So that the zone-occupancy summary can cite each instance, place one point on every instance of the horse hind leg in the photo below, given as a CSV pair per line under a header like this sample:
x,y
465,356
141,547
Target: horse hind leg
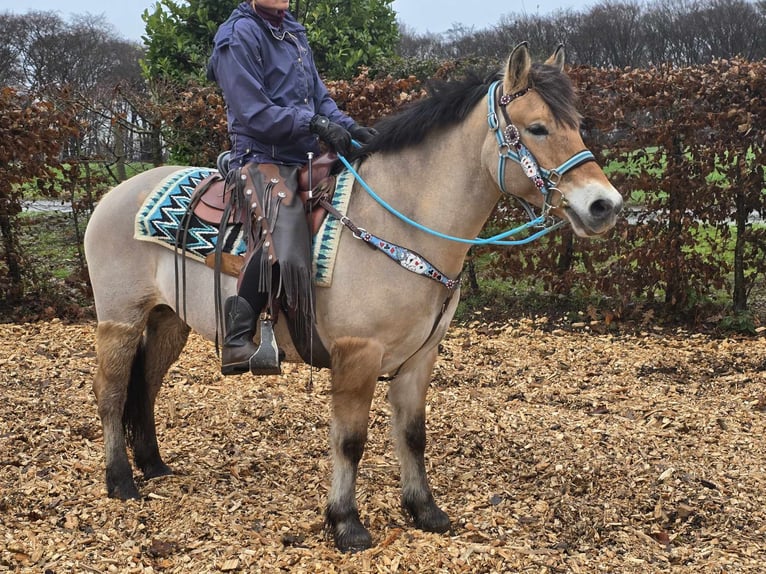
x,y
164,339
116,350
355,367
407,396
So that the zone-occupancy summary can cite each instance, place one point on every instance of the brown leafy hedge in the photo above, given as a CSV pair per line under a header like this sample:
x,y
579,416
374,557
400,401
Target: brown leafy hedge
x,y
685,146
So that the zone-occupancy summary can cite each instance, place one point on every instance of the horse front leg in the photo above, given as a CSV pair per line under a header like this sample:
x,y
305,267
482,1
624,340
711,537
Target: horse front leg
x,y
116,348
355,367
407,395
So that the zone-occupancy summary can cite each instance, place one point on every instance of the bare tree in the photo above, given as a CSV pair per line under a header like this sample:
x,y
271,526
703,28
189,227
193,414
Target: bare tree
x,y
694,32
38,41
83,54
543,33
422,46
459,41
733,28
84,61
612,34
672,34
10,50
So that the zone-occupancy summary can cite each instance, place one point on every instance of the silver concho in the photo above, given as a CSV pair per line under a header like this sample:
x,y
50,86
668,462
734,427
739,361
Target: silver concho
x,y
511,135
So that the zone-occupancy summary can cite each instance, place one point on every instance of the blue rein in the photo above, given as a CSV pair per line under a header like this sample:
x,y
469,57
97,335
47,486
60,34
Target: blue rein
x,y
494,240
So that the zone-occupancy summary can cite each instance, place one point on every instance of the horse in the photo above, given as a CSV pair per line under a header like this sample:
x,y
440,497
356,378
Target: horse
x,y
441,162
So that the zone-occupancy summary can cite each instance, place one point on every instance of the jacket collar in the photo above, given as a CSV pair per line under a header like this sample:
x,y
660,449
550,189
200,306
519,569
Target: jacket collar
x,y
289,24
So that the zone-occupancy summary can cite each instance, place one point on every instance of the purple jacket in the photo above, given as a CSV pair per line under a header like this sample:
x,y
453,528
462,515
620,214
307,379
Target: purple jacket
x,y
271,87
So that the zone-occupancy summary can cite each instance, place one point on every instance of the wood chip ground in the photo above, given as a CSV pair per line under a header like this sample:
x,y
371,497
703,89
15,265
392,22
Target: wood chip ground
x,y
552,451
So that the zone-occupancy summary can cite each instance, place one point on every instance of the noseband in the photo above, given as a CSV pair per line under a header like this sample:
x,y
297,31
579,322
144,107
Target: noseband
x,y
510,147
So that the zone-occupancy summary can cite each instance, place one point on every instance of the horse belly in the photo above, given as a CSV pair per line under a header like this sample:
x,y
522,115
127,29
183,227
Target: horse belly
x,y
198,308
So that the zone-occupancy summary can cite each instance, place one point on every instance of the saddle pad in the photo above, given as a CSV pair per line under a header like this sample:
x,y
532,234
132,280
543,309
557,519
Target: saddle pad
x,y
162,211
326,240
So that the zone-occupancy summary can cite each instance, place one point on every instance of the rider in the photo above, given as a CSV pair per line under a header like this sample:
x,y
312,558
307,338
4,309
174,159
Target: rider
x,y
277,107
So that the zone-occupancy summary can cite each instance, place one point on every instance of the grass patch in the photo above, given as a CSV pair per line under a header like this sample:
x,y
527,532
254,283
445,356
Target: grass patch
x,y
49,241
55,276
100,174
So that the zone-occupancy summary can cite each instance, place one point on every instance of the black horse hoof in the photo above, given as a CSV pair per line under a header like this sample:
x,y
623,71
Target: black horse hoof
x,y
435,520
157,470
428,516
353,538
120,483
349,533
123,491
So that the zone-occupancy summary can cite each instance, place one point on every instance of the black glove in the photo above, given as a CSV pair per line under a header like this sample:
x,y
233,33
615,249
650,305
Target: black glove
x,y
334,135
362,134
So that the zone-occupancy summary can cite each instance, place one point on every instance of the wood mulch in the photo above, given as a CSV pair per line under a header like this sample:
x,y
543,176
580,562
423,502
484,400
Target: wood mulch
x,y
552,451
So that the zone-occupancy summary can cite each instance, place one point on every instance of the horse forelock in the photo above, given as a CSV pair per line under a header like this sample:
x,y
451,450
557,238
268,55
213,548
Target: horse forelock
x,y
558,93
450,102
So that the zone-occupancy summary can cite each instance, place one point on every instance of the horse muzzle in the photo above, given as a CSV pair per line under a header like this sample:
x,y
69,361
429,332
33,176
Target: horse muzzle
x,y
592,211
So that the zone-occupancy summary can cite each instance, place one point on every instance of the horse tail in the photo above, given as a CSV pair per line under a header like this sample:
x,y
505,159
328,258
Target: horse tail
x,y
137,406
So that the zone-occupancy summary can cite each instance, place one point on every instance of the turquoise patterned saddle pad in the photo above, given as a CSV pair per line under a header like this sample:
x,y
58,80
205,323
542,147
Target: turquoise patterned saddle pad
x,y
159,218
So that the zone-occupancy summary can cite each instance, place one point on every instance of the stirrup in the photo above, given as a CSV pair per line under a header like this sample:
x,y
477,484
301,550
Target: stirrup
x,y
265,360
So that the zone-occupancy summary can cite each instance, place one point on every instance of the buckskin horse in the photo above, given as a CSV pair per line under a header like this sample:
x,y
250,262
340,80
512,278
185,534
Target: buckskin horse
x,y
442,162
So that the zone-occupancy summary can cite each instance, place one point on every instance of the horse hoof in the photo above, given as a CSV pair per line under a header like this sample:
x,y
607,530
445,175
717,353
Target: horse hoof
x,y
434,521
348,532
123,491
429,517
157,470
121,485
353,538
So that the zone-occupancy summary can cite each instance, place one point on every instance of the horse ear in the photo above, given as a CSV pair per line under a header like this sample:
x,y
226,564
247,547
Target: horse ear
x,y
558,58
517,71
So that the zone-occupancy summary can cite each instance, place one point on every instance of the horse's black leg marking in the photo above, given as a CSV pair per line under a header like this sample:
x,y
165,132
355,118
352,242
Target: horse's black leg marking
x,y
353,449
342,516
137,418
419,502
119,474
119,482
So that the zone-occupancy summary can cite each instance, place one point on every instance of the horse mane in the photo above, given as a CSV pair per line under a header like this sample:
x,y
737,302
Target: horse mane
x,y
450,102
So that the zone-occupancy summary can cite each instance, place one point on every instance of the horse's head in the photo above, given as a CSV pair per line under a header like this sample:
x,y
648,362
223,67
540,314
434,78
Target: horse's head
x,y
535,123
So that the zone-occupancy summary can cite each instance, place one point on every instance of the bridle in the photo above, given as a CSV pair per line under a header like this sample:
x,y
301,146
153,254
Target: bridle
x,y
511,147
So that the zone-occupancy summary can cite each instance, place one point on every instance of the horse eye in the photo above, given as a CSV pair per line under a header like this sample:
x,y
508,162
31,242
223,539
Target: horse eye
x,y
538,130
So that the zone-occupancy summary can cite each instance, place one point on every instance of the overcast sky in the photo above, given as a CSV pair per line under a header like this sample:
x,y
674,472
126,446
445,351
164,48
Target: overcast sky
x,y
421,15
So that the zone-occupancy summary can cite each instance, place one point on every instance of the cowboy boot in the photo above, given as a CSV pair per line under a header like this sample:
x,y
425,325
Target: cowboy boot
x,y
239,353
239,329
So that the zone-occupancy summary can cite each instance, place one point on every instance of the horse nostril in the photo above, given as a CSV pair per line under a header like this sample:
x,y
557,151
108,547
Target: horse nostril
x,y
602,208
